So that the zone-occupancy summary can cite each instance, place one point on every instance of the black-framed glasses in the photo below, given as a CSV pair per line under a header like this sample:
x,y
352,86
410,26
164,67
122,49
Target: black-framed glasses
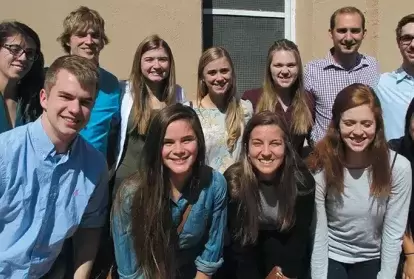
x,y
17,51
406,39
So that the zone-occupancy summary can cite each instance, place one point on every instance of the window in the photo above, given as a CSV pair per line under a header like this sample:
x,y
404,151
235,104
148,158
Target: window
x,y
247,29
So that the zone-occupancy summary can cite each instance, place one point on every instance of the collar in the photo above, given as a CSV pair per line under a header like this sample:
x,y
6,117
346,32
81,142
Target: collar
x,y
329,61
42,143
401,74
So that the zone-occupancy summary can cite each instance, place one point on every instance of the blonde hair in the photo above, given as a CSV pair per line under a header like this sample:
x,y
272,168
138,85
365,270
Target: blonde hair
x,y
234,111
302,119
142,110
85,71
82,19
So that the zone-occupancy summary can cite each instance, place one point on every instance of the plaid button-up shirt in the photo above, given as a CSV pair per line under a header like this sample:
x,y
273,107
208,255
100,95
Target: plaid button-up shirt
x,y
324,79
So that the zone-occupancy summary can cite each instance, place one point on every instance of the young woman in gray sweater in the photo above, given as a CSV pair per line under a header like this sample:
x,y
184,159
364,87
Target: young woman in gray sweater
x,y
363,192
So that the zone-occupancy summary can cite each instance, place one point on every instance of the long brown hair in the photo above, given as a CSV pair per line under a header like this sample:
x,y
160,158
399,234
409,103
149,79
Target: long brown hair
x,y
302,119
155,238
30,85
234,110
141,107
329,153
243,184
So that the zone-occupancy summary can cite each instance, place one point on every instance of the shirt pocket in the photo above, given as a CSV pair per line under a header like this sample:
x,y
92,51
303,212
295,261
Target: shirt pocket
x,y
195,227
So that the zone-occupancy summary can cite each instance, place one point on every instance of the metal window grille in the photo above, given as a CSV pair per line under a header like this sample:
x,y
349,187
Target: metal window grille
x,y
246,29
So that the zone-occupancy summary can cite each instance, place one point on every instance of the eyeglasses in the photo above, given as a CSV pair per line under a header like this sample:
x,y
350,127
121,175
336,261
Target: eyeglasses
x,y
406,39
17,51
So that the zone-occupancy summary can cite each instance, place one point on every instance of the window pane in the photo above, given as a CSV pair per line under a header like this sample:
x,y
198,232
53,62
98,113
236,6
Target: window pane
x,y
257,5
247,39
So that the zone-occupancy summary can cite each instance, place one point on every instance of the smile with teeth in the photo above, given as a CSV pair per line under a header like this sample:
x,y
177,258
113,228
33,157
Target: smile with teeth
x,y
180,160
71,120
220,85
19,66
359,140
265,161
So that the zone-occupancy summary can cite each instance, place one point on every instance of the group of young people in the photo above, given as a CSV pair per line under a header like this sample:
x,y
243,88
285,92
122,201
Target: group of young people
x,y
296,179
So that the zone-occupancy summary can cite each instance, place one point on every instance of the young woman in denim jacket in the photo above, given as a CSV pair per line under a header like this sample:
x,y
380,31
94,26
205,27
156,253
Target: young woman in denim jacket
x,y
151,205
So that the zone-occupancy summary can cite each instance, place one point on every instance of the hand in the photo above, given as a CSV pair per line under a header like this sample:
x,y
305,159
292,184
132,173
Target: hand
x,y
408,271
279,274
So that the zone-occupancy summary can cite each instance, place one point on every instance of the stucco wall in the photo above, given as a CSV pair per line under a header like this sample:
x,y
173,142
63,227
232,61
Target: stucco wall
x,y
127,23
179,22
312,24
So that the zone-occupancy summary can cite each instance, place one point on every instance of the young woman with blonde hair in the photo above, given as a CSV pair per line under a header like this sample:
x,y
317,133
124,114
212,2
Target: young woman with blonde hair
x,y
283,91
151,86
221,112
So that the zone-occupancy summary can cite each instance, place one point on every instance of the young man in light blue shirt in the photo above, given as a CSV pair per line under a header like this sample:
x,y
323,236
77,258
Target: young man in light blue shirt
x,y
53,184
396,89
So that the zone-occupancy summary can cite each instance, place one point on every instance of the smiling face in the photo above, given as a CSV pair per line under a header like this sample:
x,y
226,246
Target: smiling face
x,y
406,43
348,33
357,128
86,44
217,76
16,57
180,148
284,69
155,65
266,150
67,106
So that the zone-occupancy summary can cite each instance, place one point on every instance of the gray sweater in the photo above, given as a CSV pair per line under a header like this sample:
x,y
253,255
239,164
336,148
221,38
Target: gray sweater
x,y
358,227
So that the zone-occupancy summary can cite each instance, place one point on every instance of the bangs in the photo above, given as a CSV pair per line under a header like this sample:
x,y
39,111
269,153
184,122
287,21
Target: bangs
x,y
86,23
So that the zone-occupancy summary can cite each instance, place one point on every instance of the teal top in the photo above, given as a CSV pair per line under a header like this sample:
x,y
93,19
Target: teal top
x,y
5,124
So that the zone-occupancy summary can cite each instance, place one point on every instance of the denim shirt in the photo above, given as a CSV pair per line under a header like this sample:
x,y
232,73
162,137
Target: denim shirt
x,y
201,240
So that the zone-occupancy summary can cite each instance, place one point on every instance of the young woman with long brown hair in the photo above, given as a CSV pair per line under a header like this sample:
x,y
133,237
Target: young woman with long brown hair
x,y
151,86
362,192
283,91
169,218
271,204
21,75
221,112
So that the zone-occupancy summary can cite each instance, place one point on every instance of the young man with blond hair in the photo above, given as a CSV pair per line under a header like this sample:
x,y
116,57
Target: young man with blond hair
x,y
84,35
53,184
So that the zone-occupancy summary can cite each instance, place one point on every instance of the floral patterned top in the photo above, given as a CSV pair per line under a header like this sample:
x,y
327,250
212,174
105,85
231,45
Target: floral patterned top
x,y
213,122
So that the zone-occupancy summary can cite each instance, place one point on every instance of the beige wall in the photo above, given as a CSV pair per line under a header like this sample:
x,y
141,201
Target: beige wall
x,y
127,23
179,22
312,24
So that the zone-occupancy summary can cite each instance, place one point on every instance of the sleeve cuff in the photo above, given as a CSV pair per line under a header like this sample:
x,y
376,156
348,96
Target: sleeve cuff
x,y
208,268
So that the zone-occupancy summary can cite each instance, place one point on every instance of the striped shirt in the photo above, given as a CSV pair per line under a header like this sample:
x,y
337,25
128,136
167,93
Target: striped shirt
x,y
324,79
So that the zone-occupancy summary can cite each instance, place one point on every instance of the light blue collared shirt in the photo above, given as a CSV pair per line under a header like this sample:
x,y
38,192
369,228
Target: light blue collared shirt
x,y
45,197
395,91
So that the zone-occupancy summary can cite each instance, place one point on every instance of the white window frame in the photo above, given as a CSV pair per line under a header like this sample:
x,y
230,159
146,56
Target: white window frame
x,y
288,15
